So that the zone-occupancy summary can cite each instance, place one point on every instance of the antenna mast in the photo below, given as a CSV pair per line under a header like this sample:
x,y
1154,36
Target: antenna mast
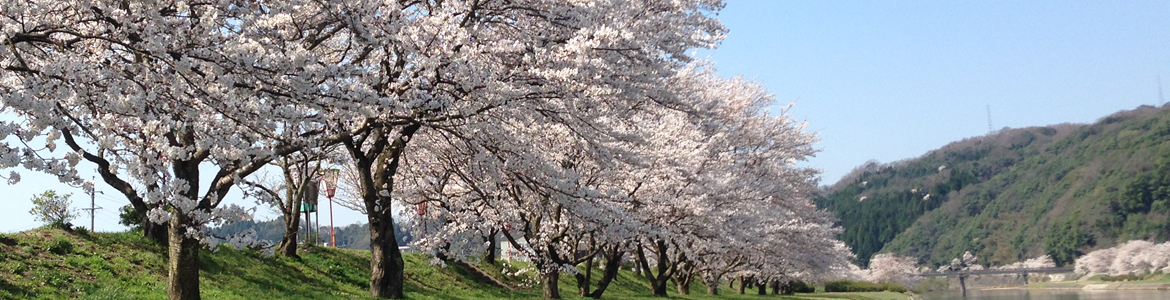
x,y
990,129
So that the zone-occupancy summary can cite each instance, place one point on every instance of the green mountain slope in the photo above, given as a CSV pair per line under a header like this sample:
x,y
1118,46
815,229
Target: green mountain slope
x,y
1060,190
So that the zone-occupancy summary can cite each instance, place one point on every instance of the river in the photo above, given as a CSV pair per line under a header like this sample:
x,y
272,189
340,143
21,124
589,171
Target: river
x,y
1021,294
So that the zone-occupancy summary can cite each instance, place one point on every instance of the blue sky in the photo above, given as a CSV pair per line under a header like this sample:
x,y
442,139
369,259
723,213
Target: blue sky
x,y
890,80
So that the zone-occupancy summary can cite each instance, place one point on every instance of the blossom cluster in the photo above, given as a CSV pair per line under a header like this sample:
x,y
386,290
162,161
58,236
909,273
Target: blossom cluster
x,y
1136,257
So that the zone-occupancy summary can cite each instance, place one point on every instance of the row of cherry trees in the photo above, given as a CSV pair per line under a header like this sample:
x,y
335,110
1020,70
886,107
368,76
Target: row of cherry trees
x,y
571,130
1136,257
697,192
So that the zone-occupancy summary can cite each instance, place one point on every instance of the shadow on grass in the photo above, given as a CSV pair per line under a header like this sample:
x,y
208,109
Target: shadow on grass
x,y
15,291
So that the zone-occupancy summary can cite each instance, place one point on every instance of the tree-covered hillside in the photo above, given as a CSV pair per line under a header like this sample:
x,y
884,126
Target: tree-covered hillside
x,y
352,236
1060,190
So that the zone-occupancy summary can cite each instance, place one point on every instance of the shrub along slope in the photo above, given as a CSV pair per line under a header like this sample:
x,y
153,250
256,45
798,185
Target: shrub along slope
x,y
56,264
1061,190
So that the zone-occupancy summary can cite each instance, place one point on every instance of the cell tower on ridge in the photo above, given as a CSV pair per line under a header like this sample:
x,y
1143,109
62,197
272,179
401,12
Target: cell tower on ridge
x,y
990,129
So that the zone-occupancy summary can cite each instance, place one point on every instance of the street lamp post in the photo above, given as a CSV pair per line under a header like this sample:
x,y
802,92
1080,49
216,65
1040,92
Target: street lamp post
x,y
330,178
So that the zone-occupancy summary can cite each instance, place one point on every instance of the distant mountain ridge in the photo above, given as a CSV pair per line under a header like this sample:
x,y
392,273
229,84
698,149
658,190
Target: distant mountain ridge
x,y
352,236
1060,190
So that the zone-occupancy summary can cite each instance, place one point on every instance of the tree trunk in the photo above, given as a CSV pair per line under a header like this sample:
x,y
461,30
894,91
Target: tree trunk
x,y
386,265
684,274
492,248
183,261
775,287
583,280
657,282
743,282
762,288
683,286
712,284
613,263
659,288
376,169
155,232
550,281
288,243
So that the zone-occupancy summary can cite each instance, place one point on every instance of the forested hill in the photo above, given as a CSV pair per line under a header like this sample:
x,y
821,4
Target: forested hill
x,y
353,236
1061,190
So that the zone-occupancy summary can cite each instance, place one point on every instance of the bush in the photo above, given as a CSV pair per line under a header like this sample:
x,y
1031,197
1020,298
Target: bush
x,y
61,246
862,286
799,287
7,240
1126,277
894,287
129,217
53,209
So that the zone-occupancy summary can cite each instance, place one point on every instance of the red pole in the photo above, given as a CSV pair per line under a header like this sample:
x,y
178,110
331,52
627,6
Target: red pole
x,y
332,239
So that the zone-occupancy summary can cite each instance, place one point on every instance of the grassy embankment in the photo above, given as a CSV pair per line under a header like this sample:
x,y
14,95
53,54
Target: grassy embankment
x,y
55,264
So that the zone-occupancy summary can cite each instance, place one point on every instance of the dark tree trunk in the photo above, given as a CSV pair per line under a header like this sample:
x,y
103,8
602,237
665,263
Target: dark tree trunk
x,y
288,243
155,232
492,248
183,261
377,167
583,280
657,282
386,265
292,227
775,287
613,263
659,289
762,288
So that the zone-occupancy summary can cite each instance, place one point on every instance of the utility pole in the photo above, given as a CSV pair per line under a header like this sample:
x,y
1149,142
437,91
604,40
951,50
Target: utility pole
x,y
92,206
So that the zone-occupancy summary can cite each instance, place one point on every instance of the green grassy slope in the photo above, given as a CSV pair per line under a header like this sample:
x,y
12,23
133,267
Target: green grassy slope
x,y
55,264
1060,190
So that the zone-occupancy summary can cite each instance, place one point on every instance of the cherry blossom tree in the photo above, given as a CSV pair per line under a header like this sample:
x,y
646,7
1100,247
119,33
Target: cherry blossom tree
x,y
1136,257
1044,261
966,262
887,267
432,66
150,94
572,130
300,184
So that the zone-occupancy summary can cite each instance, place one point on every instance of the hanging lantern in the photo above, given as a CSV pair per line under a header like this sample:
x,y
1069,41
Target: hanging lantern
x,y
422,208
330,179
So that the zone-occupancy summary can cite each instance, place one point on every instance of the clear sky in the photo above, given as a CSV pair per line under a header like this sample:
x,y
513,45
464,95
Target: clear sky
x,y
889,80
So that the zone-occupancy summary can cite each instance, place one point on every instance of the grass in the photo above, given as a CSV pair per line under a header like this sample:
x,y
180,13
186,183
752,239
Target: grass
x,y
51,263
